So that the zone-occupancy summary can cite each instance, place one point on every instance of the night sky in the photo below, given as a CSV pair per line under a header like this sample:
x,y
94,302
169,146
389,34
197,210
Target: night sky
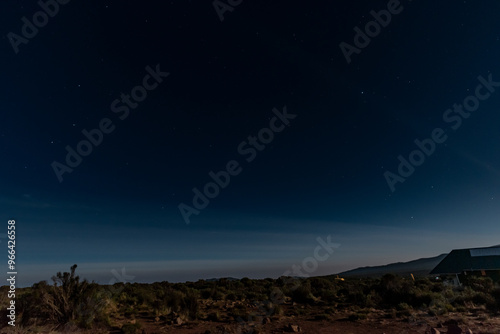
x,y
300,115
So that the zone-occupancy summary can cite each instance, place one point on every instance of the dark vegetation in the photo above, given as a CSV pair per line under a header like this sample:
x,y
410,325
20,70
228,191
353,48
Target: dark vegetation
x,y
69,301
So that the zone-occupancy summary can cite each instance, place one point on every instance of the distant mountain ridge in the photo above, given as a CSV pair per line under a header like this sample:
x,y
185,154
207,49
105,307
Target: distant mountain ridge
x,y
420,267
221,278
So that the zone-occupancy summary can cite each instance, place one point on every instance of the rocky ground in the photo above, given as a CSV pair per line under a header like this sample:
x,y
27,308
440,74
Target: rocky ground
x,y
299,319
377,323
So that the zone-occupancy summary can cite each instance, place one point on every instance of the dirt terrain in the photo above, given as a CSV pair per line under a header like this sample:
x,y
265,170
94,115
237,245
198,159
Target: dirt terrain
x,y
376,322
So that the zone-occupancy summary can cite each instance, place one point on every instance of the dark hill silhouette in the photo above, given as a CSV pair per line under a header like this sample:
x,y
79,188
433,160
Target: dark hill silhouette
x,y
420,267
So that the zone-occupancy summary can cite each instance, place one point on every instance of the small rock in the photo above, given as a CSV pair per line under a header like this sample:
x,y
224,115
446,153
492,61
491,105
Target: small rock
x,y
178,321
454,329
293,328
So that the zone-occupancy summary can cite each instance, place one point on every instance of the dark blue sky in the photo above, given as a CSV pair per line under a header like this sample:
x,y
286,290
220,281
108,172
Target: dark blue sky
x,y
322,174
